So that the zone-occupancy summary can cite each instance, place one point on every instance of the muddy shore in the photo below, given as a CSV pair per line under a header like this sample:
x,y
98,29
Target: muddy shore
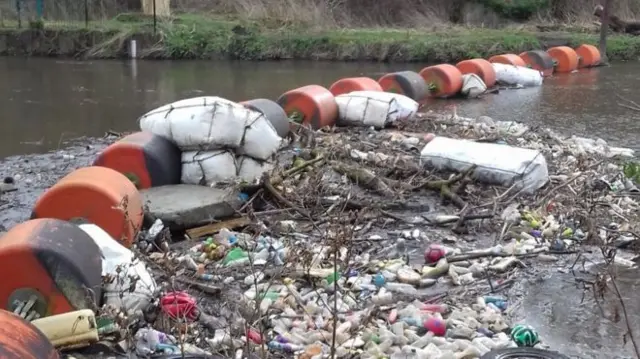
x,y
34,173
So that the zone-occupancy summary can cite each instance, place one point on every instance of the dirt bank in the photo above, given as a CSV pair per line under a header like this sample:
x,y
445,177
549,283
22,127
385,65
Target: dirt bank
x,y
200,37
35,173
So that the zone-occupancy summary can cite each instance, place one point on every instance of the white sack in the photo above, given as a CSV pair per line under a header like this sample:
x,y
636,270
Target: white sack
x,y
496,164
250,170
472,86
407,107
517,75
118,263
356,110
208,167
261,139
210,123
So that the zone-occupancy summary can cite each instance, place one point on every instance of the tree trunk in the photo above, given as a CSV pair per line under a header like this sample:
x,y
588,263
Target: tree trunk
x,y
604,29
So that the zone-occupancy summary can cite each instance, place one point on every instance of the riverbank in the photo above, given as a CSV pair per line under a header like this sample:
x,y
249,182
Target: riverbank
x,y
197,37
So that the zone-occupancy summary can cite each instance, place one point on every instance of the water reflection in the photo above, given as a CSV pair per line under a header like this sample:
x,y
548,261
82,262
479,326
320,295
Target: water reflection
x,y
44,100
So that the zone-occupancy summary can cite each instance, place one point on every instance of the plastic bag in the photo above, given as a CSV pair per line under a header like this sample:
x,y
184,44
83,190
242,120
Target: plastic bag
x,y
208,167
496,164
407,107
118,263
472,86
211,123
517,75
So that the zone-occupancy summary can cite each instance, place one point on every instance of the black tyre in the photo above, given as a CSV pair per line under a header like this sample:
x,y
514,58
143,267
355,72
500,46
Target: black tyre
x,y
523,353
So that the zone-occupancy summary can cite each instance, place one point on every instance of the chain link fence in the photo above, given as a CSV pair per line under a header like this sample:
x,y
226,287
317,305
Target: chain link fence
x,y
75,13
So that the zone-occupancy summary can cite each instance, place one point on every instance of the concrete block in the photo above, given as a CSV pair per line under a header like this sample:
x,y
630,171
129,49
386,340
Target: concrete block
x,y
187,206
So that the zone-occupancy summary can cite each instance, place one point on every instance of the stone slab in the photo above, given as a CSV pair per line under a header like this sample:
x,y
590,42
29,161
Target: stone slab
x,y
187,206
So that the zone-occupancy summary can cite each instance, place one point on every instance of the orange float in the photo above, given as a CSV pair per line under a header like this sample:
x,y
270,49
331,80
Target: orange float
x,y
312,104
54,263
565,58
589,56
538,60
273,112
407,83
99,195
146,159
480,67
442,80
351,84
20,339
508,59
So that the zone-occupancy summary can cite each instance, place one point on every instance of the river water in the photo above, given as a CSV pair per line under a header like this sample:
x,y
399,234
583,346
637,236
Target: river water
x,y
45,101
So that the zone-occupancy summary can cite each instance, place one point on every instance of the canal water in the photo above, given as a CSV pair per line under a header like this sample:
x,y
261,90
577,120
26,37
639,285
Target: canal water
x,y
46,100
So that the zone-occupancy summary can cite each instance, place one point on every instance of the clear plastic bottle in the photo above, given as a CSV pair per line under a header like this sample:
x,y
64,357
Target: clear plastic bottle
x,y
401,288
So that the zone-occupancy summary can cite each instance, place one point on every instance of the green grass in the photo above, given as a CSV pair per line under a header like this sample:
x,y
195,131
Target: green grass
x,y
199,37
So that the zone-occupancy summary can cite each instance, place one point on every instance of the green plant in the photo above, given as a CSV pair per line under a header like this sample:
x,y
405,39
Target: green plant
x,y
36,24
631,170
519,10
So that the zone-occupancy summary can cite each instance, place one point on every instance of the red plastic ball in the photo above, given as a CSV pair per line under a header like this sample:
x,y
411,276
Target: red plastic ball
x,y
434,253
436,326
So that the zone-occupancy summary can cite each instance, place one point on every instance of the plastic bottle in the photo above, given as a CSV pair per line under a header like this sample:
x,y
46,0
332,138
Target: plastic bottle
x,y
401,288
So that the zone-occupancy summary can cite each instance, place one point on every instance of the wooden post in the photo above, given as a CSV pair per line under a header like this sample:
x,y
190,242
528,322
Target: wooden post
x,y
604,29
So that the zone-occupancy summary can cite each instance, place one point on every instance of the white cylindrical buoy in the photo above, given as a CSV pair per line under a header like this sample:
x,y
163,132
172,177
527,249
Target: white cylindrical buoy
x,y
133,49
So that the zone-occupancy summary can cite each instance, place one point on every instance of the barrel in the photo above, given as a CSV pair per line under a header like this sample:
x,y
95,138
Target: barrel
x,y
407,83
480,67
148,160
19,339
538,60
565,59
589,56
273,112
311,105
351,84
508,59
442,80
53,261
98,195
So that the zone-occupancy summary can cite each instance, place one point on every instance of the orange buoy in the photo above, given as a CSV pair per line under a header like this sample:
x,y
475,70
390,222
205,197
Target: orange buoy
x,y
311,104
589,56
146,159
22,340
99,195
480,67
565,58
273,112
442,80
351,84
508,59
538,60
407,83
52,261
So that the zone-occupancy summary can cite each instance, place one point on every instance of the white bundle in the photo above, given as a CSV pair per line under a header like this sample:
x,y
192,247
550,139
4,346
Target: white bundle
x,y
210,167
517,75
472,86
374,108
210,123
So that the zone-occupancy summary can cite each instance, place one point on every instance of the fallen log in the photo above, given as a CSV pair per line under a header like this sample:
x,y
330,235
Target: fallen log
x,y
617,24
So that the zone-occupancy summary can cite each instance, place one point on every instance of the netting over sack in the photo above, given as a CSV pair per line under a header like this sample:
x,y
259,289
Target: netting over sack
x,y
210,167
211,123
374,108
517,75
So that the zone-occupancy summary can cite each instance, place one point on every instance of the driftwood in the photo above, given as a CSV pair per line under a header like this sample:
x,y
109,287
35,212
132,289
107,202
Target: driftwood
x,y
617,24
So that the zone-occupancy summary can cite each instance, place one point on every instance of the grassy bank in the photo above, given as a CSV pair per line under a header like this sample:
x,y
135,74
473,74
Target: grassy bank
x,y
199,37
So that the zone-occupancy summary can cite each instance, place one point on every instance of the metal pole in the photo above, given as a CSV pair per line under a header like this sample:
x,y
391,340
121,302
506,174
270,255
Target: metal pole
x,y
155,18
86,13
604,29
18,10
